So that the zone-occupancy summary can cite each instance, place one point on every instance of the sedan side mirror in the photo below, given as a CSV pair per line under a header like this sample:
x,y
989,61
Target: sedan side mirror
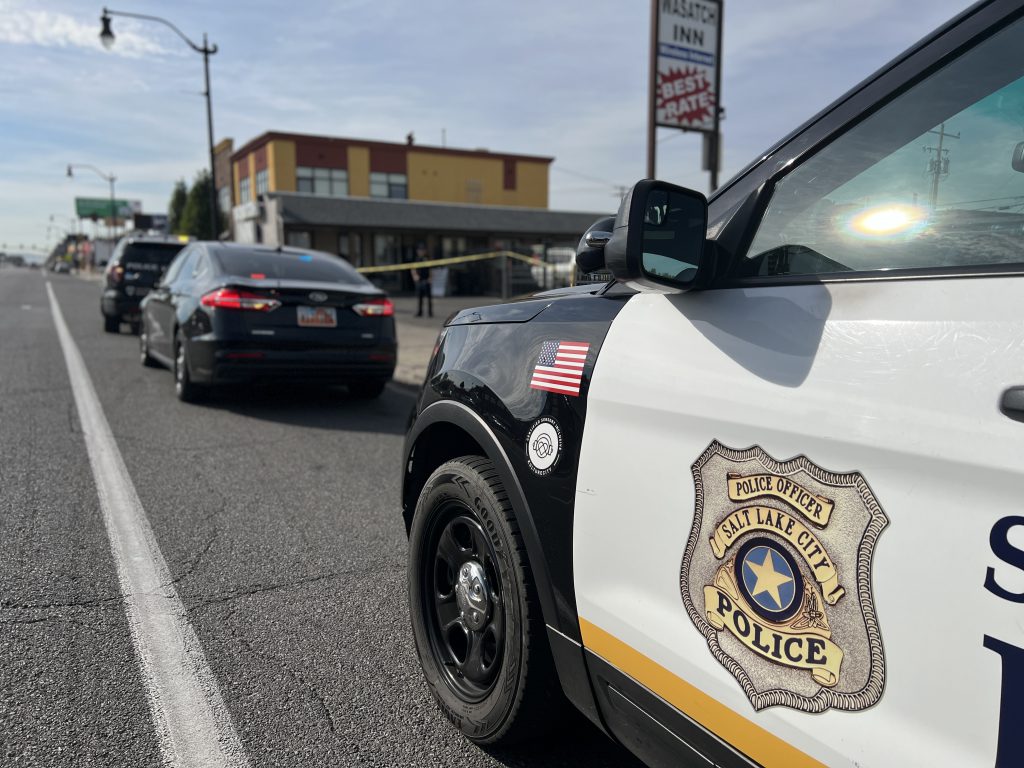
x,y
590,251
658,239
1018,158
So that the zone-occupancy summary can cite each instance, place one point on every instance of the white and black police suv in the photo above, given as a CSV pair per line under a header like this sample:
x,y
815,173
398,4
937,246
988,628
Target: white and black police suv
x,y
760,498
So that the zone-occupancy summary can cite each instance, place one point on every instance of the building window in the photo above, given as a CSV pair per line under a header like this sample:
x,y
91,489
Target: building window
x,y
394,185
298,238
327,182
244,191
510,173
387,249
350,247
262,182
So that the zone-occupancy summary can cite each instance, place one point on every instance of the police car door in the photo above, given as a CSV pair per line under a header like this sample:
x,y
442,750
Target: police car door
x,y
798,513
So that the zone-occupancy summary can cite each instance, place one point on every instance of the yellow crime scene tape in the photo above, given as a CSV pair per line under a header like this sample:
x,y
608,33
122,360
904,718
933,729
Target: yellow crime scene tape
x,y
531,260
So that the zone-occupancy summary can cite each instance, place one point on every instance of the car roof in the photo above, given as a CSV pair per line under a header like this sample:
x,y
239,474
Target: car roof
x,y
218,247
181,240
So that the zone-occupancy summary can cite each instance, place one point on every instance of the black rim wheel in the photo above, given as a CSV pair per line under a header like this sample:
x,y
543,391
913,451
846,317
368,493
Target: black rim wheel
x,y
465,622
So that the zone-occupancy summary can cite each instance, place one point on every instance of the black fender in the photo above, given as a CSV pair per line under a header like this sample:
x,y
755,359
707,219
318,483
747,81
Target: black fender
x,y
566,651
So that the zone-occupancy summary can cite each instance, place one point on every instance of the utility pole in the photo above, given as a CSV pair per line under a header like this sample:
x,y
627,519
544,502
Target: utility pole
x,y
938,166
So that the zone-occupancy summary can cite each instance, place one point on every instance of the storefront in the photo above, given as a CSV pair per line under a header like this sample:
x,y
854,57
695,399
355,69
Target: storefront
x,y
377,232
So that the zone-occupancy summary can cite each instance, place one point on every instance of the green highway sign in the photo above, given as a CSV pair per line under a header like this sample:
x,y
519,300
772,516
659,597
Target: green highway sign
x,y
99,207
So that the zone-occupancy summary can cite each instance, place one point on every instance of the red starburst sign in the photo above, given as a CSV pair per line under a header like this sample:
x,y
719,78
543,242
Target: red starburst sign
x,y
685,97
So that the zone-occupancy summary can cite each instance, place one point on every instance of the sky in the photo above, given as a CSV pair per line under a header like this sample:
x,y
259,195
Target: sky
x,y
544,77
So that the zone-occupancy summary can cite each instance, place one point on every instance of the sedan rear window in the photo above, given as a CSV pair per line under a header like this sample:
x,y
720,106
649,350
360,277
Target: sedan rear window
x,y
274,265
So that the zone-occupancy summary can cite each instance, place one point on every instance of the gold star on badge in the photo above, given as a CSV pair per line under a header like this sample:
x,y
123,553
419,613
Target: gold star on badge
x,y
768,579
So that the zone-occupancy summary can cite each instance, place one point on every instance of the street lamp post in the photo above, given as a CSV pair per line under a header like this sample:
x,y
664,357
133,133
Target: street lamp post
x,y
107,38
110,179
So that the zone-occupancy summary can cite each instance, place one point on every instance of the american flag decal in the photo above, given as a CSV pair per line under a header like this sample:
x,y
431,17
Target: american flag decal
x,y
559,367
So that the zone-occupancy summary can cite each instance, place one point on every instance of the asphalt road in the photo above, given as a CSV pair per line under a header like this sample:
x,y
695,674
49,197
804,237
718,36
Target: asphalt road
x,y
277,513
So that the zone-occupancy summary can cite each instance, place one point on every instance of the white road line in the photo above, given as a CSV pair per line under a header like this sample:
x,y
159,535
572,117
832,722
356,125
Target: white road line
x,y
192,724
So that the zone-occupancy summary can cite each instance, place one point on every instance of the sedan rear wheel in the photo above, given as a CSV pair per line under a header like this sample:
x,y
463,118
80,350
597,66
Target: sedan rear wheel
x,y
187,391
144,356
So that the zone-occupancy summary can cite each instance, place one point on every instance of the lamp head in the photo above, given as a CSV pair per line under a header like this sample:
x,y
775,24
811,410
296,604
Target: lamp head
x,y
106,34
70,174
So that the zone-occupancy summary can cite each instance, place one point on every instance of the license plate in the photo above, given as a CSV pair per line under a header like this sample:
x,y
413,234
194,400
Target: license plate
x,y
318,317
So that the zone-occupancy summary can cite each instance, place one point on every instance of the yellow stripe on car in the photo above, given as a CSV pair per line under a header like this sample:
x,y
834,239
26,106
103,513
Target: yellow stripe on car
x,y
749,738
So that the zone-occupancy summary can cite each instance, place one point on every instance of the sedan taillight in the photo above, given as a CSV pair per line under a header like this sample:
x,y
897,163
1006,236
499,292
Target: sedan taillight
x,y
374,308
232,298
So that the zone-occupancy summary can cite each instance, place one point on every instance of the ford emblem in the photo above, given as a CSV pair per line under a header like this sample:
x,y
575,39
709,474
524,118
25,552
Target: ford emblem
x,y
318,296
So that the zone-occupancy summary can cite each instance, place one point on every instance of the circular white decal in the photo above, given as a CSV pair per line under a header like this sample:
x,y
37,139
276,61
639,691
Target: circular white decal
x,y
543,446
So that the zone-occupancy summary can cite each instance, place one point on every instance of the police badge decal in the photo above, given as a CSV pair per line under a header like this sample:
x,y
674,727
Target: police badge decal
x,y
777,577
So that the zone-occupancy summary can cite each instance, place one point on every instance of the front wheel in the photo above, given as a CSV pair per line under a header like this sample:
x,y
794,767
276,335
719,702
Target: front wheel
x,y
475,614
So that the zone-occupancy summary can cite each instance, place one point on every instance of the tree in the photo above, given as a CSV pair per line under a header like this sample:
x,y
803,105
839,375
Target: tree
x,y
177,206
195,218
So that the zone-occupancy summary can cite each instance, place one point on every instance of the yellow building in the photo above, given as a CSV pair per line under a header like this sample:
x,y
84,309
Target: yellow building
x,y
374,203
339,167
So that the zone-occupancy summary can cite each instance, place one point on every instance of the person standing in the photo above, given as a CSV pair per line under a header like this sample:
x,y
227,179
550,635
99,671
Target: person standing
x,y
421,277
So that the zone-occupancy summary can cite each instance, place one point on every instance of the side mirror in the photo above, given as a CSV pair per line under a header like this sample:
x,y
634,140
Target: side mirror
x,y
658,238
1018,158
590,251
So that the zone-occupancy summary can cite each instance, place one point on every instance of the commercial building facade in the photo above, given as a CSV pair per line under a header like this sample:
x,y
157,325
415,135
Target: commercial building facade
x,y
374,202
341,167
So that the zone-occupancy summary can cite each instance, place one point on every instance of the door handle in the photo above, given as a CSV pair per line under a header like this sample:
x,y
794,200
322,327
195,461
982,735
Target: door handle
x,y
1012,403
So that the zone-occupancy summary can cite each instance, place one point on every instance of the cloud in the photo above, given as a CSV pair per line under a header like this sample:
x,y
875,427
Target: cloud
x,y
60,30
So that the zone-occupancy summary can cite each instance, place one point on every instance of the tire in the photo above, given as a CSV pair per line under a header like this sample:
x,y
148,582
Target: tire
x,y
111,324
488,664
186,390
367,390
144,357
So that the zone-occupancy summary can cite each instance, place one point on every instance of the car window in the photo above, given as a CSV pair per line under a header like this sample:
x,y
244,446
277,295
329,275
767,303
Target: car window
x,y
118,250
150,257
926,182
200,267
285,265
184,268
175,268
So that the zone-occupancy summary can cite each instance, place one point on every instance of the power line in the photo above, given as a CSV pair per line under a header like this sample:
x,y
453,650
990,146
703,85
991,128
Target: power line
x,y
986,200
619,189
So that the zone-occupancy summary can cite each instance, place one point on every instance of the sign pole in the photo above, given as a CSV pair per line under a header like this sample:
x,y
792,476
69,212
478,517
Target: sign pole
x,y
651,85
716,149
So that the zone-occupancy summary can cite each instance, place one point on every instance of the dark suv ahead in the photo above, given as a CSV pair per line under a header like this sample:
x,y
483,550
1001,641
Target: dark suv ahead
x,y
134,268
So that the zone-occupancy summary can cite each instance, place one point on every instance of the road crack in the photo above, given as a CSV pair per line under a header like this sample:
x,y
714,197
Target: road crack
x,y
255,589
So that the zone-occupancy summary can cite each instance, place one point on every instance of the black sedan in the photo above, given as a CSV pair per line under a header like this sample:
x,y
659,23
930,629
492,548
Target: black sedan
x,y
229,313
